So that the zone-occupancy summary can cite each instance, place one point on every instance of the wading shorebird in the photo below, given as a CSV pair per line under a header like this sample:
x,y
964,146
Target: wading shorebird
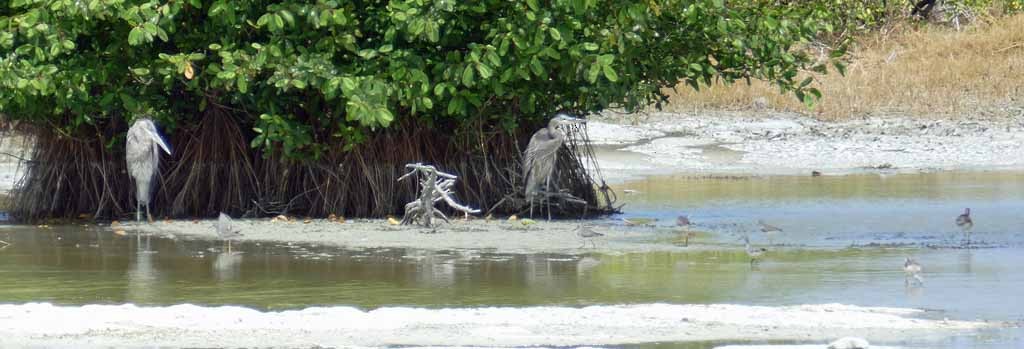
x,y
226,229
753,253
965,223
142,150
912,270
769,230
586,233
684,223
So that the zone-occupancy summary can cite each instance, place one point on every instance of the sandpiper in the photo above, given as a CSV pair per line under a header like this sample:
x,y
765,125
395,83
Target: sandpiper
x,y
226,229
769,230
754,253
586,233
912,270
965,223
684,223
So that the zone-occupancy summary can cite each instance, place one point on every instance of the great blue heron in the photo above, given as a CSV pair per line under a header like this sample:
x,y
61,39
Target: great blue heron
x,y
542,153
965,223
586,233
143,157
226,229
912,270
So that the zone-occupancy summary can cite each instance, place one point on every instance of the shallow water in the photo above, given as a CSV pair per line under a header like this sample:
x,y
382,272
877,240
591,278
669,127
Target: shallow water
x,y
844,241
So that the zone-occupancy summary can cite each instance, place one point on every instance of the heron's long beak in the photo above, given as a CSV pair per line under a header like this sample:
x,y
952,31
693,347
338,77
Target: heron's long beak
x,y
160,141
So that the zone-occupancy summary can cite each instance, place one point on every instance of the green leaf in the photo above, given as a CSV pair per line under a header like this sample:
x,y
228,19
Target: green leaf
x,y
605,59
433,32
287,16
610,74
467,77
533,5
841,68
243,84
278,21
806,82
150,28
484,70
589,46
593,73
385,48
135,36
555,34
536,67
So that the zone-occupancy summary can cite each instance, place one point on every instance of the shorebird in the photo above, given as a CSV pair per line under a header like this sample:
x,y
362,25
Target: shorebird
x,y
684,222
769,230
586,233
754,253
965,223
912,270
226,230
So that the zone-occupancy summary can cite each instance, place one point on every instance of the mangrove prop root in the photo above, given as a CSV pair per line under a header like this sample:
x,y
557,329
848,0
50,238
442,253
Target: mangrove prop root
x,y
214,169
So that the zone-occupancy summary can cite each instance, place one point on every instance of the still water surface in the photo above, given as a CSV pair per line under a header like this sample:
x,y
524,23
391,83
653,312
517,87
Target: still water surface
x,y
845,240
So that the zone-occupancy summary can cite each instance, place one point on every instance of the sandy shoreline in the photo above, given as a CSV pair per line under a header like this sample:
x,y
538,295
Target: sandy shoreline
x,y
189,325
499,236
786,144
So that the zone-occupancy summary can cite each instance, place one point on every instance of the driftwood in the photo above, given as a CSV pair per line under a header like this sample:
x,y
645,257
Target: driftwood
x,y
434,186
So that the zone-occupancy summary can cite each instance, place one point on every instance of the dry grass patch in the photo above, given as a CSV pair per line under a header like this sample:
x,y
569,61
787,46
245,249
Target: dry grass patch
x,y
922,72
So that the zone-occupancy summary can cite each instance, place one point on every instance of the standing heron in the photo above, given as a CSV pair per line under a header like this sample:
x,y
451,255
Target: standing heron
x,y
769,230
965,223
226,229
912,270
143,157
541,155
586,233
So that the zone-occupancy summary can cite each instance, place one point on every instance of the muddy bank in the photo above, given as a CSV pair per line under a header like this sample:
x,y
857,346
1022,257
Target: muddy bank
x,y
190,325
779,143
500,236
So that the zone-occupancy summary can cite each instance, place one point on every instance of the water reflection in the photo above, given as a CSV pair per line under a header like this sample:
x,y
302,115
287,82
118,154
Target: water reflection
x,y
227,266
143,276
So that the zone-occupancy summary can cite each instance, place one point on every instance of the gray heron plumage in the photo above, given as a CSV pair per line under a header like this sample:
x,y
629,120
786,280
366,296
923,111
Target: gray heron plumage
x,y
143,157
542,153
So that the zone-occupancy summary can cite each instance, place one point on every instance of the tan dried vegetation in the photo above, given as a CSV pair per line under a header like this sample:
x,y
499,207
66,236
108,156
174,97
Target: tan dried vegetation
x,y
912,70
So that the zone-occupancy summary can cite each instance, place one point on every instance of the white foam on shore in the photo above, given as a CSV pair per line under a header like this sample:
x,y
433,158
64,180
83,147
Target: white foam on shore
x,y
232,326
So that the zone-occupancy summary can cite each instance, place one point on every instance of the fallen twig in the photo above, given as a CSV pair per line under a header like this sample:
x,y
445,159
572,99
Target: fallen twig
x,y
1019,44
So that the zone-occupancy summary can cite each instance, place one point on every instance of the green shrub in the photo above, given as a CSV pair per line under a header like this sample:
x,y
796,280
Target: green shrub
x,y
308,74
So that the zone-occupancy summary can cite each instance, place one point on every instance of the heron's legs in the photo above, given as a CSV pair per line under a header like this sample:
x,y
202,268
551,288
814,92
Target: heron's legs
x,y
547,199
149,216
138,211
